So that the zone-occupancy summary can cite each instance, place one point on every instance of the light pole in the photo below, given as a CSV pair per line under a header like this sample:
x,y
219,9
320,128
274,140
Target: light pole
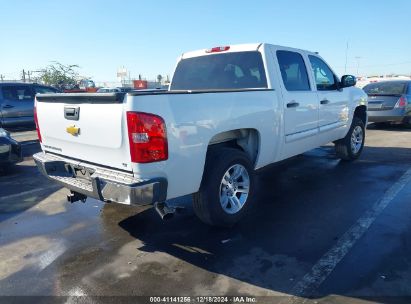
x,y
346,58
358,63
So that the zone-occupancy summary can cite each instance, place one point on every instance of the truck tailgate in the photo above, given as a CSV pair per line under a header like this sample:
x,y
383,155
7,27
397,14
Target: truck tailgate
x,y
87,127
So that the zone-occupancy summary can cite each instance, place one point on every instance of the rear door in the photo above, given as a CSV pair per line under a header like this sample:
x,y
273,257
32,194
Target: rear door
x,y
17,104
300,103
333,102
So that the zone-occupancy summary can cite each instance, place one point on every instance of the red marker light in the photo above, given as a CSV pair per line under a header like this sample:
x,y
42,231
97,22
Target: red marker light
x,y
218,49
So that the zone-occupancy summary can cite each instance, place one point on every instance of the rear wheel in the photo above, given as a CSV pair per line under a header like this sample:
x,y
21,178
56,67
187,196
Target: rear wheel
x,y
351,146
227,188
5,169
407,122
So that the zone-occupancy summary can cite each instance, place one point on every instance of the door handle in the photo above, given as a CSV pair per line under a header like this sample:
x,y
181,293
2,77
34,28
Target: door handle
x,y
325,101
8,106
292,104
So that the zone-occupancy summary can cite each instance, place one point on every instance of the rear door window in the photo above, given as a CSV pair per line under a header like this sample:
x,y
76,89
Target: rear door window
x,y
17,93
239,70
293,71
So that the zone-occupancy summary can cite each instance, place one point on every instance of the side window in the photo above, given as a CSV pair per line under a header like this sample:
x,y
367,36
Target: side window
x,y
17,93
293,71
324,77
44,90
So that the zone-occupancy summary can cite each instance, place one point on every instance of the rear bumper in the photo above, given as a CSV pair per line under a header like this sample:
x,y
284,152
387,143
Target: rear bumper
x,y
394,115
101,183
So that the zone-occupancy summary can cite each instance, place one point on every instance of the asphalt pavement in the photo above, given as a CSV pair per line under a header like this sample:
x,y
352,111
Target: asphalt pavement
x,y
322,231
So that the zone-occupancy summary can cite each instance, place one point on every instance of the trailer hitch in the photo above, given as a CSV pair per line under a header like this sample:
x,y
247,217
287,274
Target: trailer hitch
x,y
75,197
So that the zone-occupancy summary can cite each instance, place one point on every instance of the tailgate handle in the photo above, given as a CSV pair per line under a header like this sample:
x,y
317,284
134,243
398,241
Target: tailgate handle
x,y
72,113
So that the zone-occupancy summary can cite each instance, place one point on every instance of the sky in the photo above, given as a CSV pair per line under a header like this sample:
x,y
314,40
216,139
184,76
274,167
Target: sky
x,y
146,37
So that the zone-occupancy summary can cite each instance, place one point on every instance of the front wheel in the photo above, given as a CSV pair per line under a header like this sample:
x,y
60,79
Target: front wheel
x,y
227,188
351,146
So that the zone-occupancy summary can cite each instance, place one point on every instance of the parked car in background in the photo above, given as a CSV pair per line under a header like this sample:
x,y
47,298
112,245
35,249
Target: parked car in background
x,y
389,101
109,90
86,83
10,150
125,89
17,102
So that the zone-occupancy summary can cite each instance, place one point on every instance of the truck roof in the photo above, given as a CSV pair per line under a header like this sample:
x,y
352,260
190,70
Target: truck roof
x,y
240,48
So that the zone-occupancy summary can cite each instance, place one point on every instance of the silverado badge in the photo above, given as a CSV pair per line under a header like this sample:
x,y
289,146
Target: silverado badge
x,y
73,130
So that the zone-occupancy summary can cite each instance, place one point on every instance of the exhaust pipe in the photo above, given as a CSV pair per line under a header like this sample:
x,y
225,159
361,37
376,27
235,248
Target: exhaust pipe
x,y
164,211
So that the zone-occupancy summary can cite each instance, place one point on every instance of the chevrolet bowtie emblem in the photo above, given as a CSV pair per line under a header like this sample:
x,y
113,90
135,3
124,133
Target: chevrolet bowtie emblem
x,y
73,130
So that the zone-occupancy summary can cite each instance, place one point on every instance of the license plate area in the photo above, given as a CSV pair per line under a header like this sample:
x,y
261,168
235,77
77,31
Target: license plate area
x,y
79,172
374,105
83,173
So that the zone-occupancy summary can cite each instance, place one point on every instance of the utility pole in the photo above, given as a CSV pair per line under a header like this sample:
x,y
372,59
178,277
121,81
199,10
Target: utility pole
x,y
28,74
358,63
346,58
1,77
24,76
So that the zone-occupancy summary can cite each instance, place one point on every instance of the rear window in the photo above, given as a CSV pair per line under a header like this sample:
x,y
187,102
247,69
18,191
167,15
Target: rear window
x,y
240,70
386,88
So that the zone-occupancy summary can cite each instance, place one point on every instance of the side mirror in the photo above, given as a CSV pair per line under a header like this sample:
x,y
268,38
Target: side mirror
x,y
348,81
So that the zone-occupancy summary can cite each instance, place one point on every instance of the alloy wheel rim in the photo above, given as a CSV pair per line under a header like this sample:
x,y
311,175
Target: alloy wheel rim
x,y
357,138
234,189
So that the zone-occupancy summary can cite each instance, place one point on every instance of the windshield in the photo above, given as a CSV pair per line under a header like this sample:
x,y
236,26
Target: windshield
x,y
240,70
385,88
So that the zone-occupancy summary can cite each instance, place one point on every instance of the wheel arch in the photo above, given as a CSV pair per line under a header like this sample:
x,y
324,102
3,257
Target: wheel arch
x,y
246,139
361,113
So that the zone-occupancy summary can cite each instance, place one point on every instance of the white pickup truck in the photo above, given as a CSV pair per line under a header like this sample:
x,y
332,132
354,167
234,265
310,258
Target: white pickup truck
x,y
228,111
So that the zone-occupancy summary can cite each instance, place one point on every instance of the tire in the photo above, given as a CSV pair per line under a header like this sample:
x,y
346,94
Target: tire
x,y
381,125
214,203
407,122
350,147
5,169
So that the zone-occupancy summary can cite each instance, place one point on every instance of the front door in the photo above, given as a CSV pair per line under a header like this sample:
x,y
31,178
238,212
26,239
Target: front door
x,y
333,101
300,104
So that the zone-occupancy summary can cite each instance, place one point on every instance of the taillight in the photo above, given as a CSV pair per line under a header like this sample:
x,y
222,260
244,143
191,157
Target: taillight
x,y
218,49
147,137
36,121
401,103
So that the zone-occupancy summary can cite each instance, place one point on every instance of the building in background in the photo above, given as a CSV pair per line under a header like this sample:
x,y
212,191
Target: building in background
x,y
124,80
